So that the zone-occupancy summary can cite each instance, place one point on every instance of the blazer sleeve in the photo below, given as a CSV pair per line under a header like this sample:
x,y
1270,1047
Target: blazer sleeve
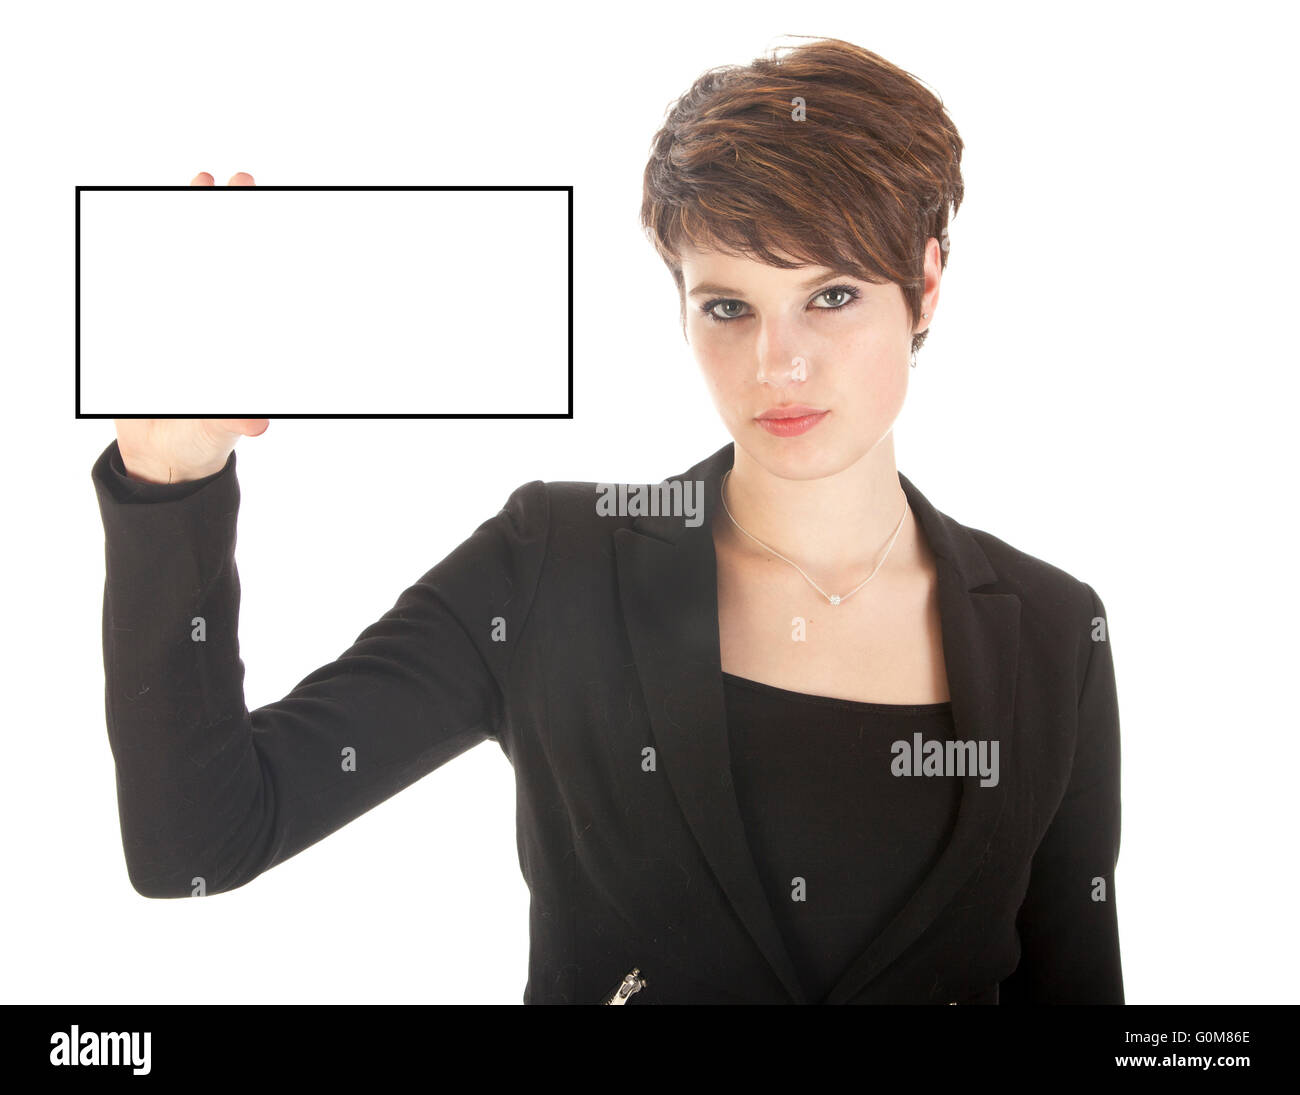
x,y
211,794
1068,928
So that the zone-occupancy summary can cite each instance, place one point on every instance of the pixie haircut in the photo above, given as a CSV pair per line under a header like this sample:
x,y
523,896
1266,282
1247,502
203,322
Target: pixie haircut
x,y
828,154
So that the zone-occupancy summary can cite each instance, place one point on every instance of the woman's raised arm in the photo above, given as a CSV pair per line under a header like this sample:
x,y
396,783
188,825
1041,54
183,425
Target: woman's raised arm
x,y
210,795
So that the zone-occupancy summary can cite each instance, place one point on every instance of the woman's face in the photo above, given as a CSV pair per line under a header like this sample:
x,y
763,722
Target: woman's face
x,y
803,339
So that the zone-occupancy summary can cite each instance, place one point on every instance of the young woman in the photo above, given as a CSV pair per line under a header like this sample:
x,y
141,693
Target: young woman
x,y
782,730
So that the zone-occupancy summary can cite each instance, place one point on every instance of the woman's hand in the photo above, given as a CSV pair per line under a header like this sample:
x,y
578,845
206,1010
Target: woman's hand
x,y
172,450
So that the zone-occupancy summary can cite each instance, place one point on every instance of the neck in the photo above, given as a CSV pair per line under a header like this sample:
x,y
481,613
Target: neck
x,y
835,526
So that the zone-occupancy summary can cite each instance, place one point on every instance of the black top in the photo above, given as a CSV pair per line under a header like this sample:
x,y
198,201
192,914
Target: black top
x,y
820,803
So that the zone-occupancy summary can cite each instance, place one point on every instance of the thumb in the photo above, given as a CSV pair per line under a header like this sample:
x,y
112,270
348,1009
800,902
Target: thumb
x,y
249,427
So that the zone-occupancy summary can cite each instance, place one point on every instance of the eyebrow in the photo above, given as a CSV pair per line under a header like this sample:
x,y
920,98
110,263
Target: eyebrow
x,y
723,291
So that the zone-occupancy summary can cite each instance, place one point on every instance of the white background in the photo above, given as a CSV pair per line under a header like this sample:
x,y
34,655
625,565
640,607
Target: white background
x,y
321,302
1109,385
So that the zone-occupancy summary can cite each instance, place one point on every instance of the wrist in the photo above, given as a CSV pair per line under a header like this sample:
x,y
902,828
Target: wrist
x,y
159,473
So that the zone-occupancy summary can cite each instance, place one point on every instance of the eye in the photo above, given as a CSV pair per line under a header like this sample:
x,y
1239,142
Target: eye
x,y
709,306
847,293
843,297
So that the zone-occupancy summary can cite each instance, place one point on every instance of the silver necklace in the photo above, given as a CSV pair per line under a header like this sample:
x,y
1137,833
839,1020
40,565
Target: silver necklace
x,y
833,598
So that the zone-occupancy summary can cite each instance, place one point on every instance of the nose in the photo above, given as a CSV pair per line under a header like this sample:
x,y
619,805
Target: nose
x,y
780,363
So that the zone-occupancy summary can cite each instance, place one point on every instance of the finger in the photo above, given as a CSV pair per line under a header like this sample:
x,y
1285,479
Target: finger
x,y
202,179
249,427
243,178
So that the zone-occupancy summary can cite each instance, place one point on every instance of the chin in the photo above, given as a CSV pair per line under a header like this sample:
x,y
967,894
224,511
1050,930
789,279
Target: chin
x,y
798,458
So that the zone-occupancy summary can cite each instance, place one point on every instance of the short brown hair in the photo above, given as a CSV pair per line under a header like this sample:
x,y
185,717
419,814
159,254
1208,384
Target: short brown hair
x,y
859,186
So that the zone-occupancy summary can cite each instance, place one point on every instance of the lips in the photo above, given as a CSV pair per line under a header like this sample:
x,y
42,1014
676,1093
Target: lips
x,y
791,420
791,410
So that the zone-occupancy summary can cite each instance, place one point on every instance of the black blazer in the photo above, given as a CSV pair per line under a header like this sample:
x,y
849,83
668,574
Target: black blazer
x,y
578,641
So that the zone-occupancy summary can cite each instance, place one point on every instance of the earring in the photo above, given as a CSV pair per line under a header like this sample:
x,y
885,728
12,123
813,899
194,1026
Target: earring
x,y
924,315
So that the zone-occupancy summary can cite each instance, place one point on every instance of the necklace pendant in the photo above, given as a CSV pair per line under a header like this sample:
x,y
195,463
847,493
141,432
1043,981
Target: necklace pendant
x,y
835,598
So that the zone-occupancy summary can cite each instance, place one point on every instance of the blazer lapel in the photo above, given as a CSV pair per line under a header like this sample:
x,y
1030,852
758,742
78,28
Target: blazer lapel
x,y
981,646
668,586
